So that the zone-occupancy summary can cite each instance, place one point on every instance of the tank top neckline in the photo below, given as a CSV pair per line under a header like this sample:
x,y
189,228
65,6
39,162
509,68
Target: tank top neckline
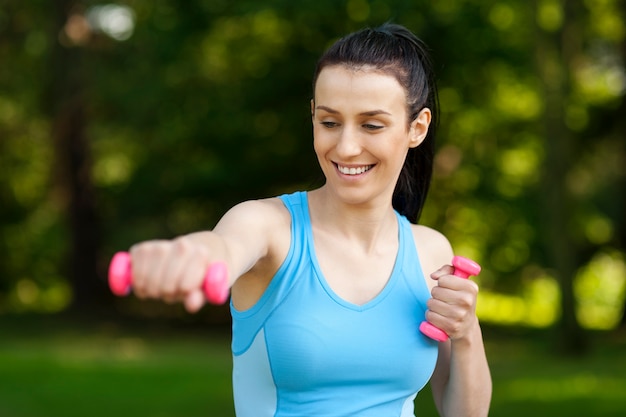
x,y
391,281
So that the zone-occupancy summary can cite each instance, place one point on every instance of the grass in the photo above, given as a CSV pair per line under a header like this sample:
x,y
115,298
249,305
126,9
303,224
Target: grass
x,y
57,368
530,379
51,369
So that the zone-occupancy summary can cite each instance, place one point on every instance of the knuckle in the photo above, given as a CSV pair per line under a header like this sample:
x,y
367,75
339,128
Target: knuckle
x,y
180,246
188,285
433,295
464,302
469,300
170,298
168,290
429,316
456,315
442,281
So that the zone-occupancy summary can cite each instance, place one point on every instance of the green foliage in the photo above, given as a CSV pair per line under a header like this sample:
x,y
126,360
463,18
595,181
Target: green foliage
x,y
206,103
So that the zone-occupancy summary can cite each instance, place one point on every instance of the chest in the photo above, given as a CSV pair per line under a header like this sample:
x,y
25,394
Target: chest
x,y
316,342
353,274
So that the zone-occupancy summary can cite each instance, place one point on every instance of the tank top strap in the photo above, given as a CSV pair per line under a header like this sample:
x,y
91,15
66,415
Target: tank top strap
x,y
250,321
411,267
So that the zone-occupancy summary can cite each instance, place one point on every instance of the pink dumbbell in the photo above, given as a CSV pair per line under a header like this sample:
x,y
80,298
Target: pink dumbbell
x,y
463,268
215,285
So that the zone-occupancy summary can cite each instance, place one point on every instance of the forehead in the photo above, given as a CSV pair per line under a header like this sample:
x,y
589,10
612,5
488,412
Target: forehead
x,y
365,85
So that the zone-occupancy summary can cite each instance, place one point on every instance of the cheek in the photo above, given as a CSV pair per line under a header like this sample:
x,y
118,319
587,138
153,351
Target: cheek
x,y
320,141
316,140
397,152
319,148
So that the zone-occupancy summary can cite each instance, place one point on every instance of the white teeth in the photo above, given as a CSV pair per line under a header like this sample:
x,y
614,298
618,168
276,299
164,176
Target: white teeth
x,y
354,171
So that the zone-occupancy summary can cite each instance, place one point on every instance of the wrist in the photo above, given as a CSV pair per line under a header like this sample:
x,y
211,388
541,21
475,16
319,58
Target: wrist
x,y
470,337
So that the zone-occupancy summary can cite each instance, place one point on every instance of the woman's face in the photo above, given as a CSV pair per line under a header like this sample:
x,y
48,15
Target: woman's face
x,y
360,131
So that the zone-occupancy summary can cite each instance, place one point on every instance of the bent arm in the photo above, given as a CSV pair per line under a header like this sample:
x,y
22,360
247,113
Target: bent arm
x,y
461,383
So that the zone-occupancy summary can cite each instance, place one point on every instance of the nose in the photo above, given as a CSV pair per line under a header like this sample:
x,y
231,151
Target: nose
x,y
348,143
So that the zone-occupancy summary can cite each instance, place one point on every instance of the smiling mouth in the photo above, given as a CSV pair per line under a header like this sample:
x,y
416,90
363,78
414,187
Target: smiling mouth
x,y
354,170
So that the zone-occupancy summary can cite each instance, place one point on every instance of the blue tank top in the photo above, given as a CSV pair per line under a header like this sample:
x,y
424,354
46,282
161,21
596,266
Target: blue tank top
x,y
302,350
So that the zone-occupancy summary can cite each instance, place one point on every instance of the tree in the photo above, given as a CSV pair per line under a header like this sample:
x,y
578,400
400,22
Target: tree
x,y
66,105
201,104
554,59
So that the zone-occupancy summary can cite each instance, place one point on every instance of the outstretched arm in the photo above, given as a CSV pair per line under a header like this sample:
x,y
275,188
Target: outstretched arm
x,y
173,270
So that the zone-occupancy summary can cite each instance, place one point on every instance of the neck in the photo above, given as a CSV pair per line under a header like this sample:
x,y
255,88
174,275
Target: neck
x,y
368,224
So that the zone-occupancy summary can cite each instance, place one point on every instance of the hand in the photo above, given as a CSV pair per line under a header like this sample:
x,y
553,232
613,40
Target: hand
x,y
170,270
452,307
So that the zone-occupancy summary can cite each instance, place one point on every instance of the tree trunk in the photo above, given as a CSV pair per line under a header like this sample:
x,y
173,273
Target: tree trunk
x,y
620,129
65,103
552,62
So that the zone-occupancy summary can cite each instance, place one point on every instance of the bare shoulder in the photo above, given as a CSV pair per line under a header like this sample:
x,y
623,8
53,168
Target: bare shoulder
x,y
433,248
265,226
264,214
430,236
256,230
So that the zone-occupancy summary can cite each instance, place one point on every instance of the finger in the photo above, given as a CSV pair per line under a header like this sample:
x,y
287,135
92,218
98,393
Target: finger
x,y
443,309
194,271
457,284
147,260
444,294
444,270
449,319
452,303
172,299
451,315
441,322
194,301
173,273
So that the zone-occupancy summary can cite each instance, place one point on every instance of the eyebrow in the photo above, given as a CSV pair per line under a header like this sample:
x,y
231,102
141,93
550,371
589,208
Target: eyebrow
x,y
365,113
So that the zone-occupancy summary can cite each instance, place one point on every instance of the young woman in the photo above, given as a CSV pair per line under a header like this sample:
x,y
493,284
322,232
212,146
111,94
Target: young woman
x,y
329,286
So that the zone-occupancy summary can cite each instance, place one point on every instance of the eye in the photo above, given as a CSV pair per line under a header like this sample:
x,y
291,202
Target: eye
x,y
369,126
329,125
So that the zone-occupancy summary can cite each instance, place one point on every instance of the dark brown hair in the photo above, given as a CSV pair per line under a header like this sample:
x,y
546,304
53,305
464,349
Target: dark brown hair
x,y
395,50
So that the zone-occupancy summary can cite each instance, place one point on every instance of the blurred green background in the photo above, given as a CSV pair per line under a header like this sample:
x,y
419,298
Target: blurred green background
x,y
145,119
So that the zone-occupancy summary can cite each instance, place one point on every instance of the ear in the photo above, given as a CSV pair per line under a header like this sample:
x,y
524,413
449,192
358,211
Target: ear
x,y
419,127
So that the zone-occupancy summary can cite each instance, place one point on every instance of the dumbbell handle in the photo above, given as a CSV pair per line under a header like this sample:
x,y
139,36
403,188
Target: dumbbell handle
x,y
214,286
463,268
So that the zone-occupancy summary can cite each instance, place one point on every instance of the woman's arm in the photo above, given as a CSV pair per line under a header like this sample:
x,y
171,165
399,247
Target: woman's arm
x,y
461,383
173,270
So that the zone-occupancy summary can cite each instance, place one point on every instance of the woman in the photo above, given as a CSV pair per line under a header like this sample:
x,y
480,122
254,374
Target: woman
x,y
328,286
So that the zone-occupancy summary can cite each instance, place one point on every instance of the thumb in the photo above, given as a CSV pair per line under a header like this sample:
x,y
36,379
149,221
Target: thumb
x,y
444,270
194,301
